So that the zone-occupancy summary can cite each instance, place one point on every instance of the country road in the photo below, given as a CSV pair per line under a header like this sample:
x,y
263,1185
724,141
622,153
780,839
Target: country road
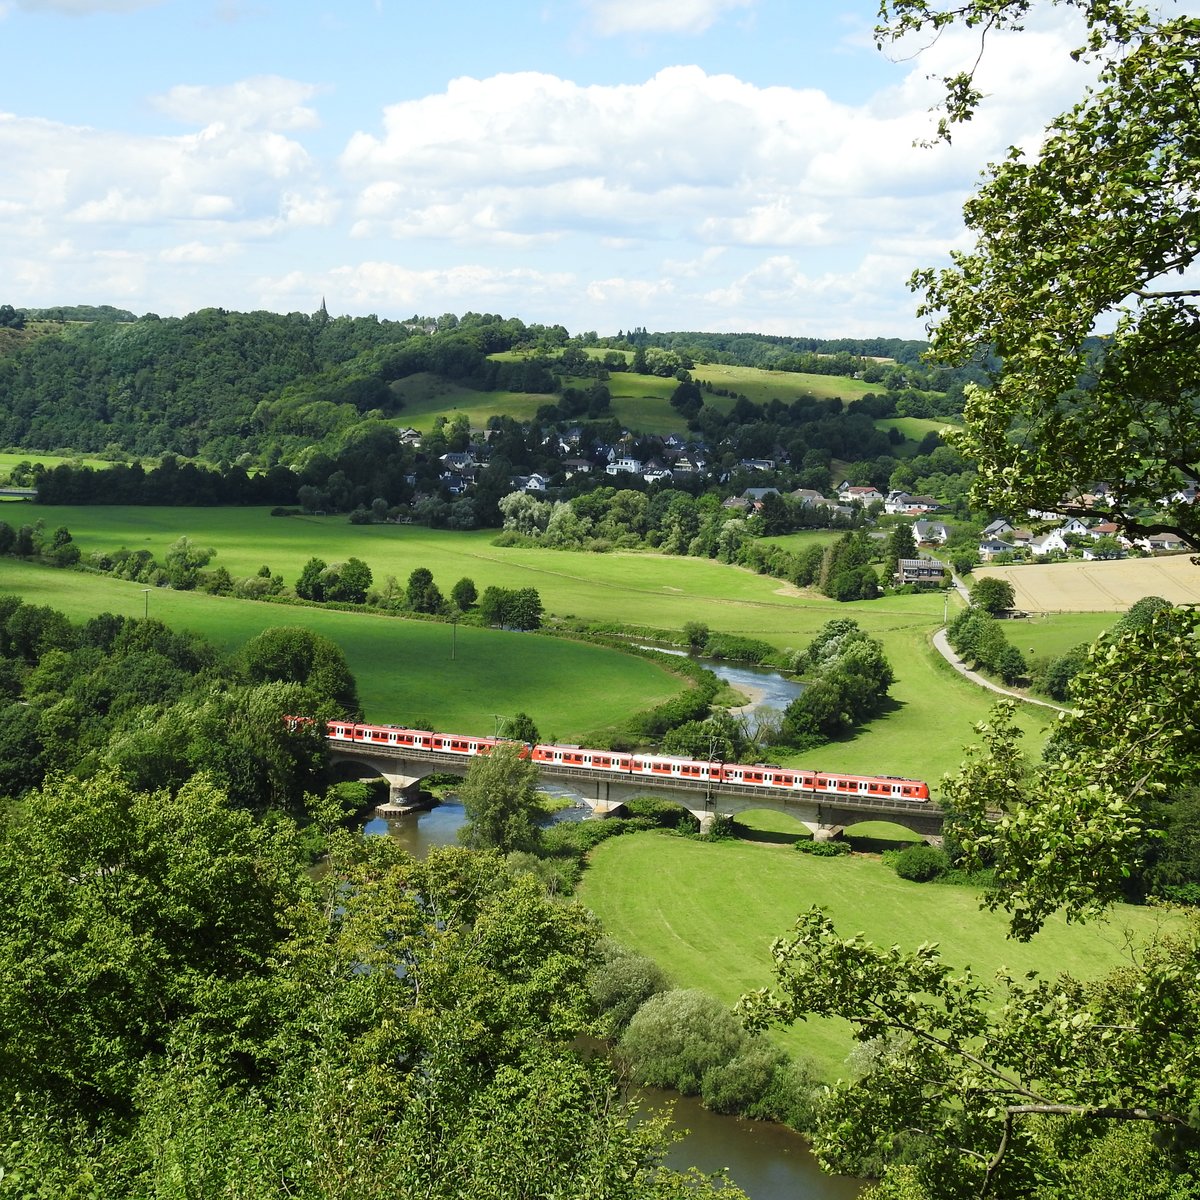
x,y
944,649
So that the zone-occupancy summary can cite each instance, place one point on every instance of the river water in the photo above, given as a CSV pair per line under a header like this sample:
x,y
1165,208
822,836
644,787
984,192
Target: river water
x,y
768,1162
768,690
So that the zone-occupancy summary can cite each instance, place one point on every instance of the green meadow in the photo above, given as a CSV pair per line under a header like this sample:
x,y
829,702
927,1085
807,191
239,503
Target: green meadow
x,y
427,397
1048,635
13,458
708,912
638,401
929,718
915,428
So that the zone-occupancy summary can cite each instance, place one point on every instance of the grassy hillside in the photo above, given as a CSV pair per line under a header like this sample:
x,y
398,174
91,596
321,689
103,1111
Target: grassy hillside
x,y
639,402
929,719
426,397
405,669
708,912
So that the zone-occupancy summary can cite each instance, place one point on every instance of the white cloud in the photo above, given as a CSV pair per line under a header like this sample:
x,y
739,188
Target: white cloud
x,y
120,179
391,287
198,252
685,155
265,101
659,16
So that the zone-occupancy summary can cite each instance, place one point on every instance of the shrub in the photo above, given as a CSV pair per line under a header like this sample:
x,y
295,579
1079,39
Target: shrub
x,y
830,849
668,814
734,1086
921,863
791,1096
621,983
676,1037
723,828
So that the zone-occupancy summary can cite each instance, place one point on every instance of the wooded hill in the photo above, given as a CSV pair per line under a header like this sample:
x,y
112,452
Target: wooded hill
x,y
218,384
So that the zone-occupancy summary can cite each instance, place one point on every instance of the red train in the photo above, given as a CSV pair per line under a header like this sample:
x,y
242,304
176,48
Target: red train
x,y
657,766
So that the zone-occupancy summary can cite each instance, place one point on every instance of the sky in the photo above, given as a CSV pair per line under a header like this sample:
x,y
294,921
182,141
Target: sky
x,y
719,165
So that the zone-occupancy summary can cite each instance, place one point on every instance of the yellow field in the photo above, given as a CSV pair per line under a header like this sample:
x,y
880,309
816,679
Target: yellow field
x,y
1100,586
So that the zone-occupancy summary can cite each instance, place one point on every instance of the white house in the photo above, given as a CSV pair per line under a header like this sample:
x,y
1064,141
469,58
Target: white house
x,y
930,531
858,495
625,466
1047,543
989,548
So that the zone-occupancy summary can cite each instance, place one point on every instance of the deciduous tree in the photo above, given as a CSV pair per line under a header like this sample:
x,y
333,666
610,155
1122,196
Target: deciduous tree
x,y
1097,226
499,795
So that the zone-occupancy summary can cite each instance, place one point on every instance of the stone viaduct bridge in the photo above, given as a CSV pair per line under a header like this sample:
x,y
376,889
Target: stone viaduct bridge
x,y
825,816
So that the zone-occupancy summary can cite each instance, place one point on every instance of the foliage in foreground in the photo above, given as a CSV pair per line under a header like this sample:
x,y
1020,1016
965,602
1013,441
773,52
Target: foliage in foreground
x,y
1027,1096
185,1012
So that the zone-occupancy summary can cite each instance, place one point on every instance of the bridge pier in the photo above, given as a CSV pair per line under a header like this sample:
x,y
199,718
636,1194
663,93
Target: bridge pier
x,y
403,793
823,832
605,808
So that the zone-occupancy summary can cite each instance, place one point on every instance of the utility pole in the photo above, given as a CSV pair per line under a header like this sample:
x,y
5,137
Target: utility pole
x,y
146,605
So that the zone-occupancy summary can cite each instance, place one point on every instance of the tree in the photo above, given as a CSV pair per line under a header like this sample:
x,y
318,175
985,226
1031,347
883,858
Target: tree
x,y
309,585
464,594
184,561
993,595
525,611
499,795
127,916
421,594
347,582
901,544
521,728
1064,411
294,654
184,1011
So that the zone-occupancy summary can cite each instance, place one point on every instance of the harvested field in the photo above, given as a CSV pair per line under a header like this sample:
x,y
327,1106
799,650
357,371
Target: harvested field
x,y
1100,586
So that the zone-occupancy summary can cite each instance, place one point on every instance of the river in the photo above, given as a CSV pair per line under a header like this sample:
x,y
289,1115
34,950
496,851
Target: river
x,y
768,1162
767,689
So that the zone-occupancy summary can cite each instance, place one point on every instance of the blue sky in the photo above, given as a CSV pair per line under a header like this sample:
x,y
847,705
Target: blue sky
x,y
679,164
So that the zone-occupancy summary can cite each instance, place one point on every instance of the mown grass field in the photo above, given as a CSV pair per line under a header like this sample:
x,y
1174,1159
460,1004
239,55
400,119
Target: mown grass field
x,y
427,397
13,458
639,402
405,671
1048,635
708,912
1108,587
915,428
928,721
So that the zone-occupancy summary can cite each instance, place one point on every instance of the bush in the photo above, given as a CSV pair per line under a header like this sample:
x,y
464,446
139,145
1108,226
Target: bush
x,y
734,1086
921,863
723,828
830,849
790,1098
677,1037
621,983
667,814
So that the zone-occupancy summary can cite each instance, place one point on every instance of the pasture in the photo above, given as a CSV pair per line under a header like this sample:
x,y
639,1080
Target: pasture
x,y
915,428
708,912
639,402
409,672
929,715
427,397
1107,587
14,458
